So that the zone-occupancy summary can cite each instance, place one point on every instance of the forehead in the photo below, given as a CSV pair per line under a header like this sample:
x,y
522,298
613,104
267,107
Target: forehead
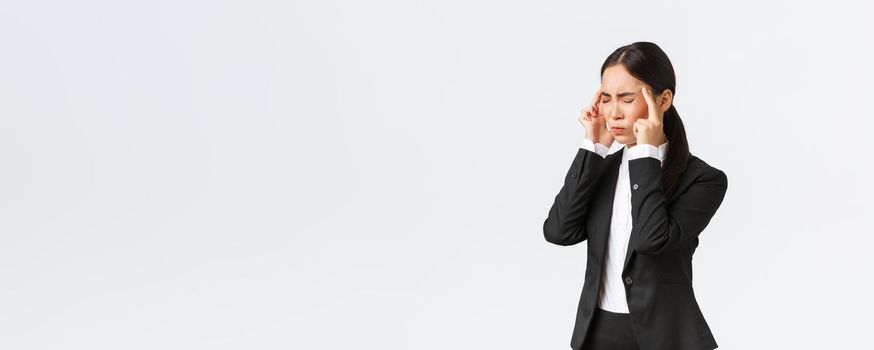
x,y
616,79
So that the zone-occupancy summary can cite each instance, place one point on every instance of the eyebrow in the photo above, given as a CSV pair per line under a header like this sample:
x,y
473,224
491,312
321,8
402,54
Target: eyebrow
x,y
621,94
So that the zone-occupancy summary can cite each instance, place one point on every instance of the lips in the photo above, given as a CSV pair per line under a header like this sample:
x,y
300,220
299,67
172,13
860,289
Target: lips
x,y
617,130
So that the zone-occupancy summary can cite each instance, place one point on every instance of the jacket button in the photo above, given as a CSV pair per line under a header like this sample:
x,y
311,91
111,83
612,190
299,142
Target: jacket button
x,y
574,174
635,186
628,280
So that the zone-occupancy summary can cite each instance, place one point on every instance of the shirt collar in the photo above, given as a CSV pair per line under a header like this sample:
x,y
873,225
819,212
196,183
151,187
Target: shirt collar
x,y
663,151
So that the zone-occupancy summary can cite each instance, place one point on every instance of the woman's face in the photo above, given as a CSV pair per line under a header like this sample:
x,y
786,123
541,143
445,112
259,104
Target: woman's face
x,y
622,102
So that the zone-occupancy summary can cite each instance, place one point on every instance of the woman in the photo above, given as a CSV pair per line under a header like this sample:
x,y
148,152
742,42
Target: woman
x,y
641,208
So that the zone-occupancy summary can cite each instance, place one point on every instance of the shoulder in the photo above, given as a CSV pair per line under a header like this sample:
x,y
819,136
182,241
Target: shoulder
x,y
701,171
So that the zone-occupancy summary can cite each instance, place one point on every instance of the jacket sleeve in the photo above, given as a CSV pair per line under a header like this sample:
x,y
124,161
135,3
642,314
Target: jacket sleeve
x,y
566,220
657,228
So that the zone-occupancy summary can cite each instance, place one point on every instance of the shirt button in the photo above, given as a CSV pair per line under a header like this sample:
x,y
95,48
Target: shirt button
x,y
628,280
635,186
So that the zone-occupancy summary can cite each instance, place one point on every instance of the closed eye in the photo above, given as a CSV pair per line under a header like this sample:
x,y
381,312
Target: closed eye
x,y
628,101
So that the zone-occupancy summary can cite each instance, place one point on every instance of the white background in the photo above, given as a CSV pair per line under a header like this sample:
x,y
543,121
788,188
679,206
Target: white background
x,y
375,175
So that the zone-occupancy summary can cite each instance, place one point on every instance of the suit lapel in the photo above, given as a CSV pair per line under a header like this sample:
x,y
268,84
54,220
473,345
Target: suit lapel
x,y
630,250
608,192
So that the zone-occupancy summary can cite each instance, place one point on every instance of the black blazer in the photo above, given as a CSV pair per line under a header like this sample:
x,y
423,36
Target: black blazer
x,y
664,235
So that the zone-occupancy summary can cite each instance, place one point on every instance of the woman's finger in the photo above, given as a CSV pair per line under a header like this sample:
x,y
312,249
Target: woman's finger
x,y
640,126
654,114
596,98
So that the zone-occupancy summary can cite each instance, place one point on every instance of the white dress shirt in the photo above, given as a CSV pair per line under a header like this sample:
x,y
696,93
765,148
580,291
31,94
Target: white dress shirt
x,y
612,290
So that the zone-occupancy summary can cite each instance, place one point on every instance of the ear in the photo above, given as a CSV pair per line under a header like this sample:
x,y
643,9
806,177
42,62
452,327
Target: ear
x,y
665,100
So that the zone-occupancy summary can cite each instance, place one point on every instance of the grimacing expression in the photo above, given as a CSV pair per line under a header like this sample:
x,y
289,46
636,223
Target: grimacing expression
x,y
622,102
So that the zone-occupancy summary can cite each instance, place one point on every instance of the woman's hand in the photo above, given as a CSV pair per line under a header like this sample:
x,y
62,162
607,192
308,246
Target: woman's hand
x,y
595,123
650,130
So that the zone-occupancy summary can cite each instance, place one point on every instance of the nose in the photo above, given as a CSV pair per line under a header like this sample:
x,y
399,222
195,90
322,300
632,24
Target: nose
x,y
613,112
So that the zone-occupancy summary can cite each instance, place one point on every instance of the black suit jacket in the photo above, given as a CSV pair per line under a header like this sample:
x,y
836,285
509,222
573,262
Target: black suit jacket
x,y
664,235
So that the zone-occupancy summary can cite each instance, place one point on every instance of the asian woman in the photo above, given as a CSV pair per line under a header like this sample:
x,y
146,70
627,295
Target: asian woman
x,y
641,208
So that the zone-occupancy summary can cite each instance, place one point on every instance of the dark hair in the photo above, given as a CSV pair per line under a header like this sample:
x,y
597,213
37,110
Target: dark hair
x,y
648,63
